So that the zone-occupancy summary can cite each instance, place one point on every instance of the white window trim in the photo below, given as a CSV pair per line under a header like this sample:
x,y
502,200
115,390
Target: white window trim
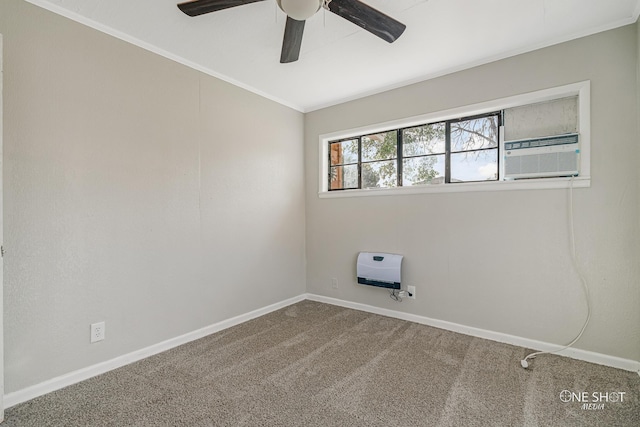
x,y
581,89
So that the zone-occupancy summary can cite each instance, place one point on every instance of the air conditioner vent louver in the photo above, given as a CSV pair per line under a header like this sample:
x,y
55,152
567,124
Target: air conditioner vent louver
x,y
541,142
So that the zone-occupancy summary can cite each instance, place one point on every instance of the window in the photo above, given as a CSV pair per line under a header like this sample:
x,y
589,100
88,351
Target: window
x,y
344,157
457,150
424,154
536,140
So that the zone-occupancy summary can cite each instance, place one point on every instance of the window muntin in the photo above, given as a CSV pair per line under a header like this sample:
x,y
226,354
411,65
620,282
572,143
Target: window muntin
x,y
458,150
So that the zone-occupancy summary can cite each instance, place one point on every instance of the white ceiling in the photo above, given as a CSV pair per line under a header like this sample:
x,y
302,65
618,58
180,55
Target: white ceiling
x,y
339,61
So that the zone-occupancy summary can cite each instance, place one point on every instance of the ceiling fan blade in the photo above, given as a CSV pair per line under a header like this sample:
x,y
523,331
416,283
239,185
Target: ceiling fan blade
x,y
200,7
292,42
370,19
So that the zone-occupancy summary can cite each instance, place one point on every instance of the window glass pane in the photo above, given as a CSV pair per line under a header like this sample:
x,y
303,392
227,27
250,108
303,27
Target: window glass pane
x,y
474,134
423,170
421,140
343,177
379,174
380,146
474,166
344,152
548,118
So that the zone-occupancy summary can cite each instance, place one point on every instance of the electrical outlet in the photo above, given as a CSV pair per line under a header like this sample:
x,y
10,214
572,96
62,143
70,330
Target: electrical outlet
x,y
97,332
334,283
411,290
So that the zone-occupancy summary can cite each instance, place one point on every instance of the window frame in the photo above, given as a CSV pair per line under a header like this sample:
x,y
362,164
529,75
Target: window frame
x,y
580,89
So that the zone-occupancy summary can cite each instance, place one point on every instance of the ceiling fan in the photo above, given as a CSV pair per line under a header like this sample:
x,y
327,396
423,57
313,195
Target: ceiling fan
x,y
364,16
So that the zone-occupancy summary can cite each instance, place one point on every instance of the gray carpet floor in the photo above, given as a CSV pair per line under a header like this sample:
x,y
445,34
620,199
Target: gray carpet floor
x,y
313,364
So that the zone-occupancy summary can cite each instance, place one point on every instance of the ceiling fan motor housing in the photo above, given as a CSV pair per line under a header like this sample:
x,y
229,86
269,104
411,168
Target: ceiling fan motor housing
x,y
300,10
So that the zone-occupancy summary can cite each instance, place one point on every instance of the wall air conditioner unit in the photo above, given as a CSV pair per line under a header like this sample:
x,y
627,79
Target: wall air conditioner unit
x,y
553,156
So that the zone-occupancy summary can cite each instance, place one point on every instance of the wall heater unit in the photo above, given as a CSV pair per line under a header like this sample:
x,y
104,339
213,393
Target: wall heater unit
x,y
553,156
379,269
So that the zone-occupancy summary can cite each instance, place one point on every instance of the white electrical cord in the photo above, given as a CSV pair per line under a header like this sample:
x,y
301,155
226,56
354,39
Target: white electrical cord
x,y
524,362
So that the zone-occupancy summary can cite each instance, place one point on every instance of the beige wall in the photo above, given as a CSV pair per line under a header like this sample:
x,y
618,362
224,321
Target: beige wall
x,y
501,260
127,199
137,191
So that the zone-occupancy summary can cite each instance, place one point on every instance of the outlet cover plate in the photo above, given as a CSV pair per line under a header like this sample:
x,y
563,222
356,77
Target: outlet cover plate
x,y
412,291
97,331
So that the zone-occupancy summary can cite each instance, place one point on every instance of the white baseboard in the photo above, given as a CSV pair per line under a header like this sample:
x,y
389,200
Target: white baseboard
x,y
74,377
574,353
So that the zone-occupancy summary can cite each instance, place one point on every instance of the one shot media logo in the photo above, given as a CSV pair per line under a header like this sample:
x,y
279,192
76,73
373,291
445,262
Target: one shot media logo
x,y
592,400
